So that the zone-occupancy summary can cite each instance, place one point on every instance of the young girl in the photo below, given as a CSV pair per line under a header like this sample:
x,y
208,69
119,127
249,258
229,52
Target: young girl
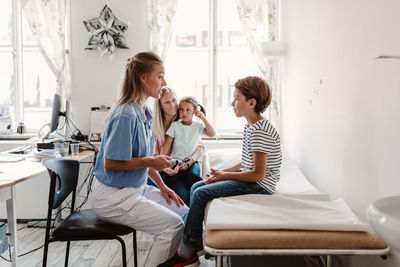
x,y
258,172
183,136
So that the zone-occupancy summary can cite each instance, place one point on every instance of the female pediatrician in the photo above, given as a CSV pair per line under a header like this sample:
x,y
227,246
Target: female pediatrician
x,y
125,160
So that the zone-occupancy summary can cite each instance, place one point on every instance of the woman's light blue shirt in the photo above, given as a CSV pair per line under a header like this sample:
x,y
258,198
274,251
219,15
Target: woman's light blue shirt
x,y
128,134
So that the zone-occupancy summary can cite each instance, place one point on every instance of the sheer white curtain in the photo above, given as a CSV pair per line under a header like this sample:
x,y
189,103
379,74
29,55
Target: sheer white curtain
x,y
258,18
160,24
47,22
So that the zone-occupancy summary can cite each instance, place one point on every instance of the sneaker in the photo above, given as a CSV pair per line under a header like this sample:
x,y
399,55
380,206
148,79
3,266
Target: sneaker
x,y
180,261
200,251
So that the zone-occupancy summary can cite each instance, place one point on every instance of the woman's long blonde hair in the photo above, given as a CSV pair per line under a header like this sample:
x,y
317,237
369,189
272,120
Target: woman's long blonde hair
x,y
158,121
133,88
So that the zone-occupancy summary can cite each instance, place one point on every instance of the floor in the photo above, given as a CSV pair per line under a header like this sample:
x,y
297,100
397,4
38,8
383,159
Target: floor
x,y
82,253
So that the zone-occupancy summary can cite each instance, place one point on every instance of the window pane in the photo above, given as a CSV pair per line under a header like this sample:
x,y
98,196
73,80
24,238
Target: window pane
x,y
39,82
234,62
27,35
7,96
39,87
5,23
186,62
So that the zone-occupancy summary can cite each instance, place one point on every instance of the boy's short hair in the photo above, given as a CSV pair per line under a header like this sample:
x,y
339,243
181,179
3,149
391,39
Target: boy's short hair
x,y
257,88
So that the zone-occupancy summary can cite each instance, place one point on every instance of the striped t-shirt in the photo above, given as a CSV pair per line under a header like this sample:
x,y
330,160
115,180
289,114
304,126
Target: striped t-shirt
x,y
262,137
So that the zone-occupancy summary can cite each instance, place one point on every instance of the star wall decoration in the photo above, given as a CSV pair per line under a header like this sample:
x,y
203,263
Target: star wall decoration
x,y
106,32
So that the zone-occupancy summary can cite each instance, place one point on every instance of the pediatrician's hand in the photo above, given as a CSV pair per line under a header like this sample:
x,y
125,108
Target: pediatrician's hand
x,y
171,172
160,162
216,176
169,194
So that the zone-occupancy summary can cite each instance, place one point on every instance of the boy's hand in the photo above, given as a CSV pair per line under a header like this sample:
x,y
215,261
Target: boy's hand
x,y
216,176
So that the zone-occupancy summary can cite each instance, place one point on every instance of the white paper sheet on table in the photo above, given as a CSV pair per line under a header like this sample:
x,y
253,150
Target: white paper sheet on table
x,y
293,181
283,211
296,205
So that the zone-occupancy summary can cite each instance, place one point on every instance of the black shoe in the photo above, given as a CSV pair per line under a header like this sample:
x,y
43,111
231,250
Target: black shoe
x,y
180,261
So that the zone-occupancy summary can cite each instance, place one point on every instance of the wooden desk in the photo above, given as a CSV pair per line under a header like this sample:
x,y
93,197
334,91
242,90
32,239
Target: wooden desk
x,y
5,184
12,174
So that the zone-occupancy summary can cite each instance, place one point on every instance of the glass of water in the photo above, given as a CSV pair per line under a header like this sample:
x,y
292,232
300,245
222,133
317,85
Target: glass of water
x,y
74,150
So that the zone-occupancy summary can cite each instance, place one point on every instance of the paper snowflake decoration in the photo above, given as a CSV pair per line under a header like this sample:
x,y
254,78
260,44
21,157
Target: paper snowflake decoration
x,y
106,32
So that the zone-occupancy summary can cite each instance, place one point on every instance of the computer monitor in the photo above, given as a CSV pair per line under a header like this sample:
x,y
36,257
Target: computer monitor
x,y
56,113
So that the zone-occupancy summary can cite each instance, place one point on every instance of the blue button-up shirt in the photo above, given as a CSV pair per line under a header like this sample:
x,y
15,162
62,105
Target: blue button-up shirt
x,y
128,134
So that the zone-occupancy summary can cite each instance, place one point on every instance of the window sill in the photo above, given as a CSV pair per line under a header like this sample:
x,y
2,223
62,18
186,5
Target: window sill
x,y
17,136
225,136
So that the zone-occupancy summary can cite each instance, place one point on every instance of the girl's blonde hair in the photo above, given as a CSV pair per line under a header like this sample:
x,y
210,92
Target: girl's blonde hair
x,y
193,101
158,120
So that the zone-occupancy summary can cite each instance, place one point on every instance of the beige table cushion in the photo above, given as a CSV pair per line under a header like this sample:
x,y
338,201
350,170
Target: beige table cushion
x,y
291,239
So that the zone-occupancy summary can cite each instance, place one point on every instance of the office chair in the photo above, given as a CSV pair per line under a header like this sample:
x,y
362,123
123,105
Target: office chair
x,y
79,225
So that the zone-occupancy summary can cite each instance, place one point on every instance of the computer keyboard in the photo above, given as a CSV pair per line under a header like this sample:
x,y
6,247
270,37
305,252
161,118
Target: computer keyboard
x,y
19,150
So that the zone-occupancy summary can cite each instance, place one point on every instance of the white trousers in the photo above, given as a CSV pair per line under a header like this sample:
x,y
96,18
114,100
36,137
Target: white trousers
x,y
143,209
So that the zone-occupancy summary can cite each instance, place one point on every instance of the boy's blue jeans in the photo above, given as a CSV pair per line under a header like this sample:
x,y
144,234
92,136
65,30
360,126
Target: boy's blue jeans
x,y
201,193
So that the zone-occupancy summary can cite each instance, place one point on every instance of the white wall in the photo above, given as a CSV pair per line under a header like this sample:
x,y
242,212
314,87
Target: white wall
x,y
341,117
96,79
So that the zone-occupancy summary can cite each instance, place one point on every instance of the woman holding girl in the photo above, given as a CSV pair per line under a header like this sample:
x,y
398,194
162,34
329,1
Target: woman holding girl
x,y
182,177
125,160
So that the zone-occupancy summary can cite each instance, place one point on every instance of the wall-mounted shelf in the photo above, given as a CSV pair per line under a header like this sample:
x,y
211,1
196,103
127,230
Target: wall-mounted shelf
x,y
387,57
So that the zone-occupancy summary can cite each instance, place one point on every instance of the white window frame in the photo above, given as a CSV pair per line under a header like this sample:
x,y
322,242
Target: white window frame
x,y
213,67
18,60
213,54
17,50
